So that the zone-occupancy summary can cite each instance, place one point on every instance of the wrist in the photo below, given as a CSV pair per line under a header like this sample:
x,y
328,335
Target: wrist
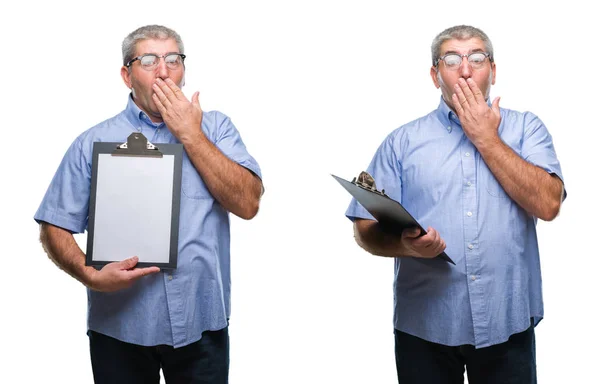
x,y
192,136
487,144
89,278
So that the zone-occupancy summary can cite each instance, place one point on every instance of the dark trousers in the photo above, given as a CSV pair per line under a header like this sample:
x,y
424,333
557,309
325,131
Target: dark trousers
x,y
205,361
423,362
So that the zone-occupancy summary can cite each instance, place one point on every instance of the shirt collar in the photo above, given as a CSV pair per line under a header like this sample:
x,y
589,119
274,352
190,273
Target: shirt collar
x,y
444,113
137,117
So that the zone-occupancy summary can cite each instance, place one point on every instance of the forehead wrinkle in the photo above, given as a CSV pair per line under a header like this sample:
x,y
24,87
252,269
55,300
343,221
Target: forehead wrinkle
x,y
475,50
155,43
457,46
156,54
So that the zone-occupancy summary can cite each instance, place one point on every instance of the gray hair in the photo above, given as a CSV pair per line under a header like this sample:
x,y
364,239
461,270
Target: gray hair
x,y
460,32
156,32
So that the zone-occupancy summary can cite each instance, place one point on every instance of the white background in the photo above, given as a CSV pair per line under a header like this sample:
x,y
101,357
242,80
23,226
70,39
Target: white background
x,y
313,87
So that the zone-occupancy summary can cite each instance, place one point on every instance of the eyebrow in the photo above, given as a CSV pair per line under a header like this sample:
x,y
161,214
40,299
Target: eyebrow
x,y
156,54
458,53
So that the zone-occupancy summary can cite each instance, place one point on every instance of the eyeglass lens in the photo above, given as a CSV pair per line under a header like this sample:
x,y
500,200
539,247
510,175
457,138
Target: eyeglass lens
x,y
150,61
475,59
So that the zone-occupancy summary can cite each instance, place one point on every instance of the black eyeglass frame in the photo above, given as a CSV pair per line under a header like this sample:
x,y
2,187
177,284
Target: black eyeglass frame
x,y
467,55
128,65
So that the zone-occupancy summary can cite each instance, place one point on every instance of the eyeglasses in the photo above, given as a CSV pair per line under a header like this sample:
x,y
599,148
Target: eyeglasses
x,y
454,60
149,62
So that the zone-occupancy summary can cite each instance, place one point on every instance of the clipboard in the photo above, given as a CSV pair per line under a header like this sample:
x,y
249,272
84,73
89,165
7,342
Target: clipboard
x,y
134,203
390,213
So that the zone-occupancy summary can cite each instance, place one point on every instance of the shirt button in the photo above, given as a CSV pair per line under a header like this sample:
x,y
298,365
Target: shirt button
x,y
473,277
170,277
467,154
449,128
470,246
469,183
469,214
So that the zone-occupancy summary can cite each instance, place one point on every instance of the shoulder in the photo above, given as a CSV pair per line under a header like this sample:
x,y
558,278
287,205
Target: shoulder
x,y
522,124
523,130
214,119
115,128
518,117
419,126
217,125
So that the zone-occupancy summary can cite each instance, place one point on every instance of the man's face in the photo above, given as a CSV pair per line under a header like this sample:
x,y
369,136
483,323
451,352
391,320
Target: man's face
x,y
445,78
140,80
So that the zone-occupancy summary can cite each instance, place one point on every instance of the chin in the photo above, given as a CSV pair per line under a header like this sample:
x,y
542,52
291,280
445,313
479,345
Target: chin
x,y
153,113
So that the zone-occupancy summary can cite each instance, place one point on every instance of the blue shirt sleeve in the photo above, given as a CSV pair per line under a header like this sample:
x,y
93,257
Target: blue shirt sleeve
x,y
229,141
537,145
66,201
386,171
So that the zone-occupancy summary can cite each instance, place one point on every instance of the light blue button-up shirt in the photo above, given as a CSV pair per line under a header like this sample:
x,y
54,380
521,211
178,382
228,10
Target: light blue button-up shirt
x,y
433,169
171,307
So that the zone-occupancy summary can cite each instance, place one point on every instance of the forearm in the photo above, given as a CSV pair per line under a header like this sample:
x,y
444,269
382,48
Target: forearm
x,y
236,188
62,249
532,188
370,237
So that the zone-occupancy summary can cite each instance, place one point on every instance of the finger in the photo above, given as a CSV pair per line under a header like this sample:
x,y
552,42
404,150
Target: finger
x,y
457,107
441,245
141,272
462,99
175,89
460,89
196,99
469,96
159,105
496,106
159,91
166,89
438,249
426,240
435,237
128,263
478,96
411,233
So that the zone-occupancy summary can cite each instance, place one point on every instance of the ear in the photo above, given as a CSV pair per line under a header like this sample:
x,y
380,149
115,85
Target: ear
x,y
434,76
126,76
493,73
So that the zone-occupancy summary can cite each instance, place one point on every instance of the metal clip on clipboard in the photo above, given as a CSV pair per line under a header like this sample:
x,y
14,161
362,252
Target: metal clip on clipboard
x,y
366,181
137,145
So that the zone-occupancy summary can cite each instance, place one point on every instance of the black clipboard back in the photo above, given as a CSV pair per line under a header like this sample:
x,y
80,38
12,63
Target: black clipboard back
x,y
129,200
387,211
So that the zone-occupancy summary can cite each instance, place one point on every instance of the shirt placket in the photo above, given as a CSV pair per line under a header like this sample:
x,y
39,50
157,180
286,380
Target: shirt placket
x,y
173,290
470,217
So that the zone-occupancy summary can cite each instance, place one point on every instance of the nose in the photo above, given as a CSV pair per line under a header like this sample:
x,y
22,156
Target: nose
x,y
161,69
465,68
